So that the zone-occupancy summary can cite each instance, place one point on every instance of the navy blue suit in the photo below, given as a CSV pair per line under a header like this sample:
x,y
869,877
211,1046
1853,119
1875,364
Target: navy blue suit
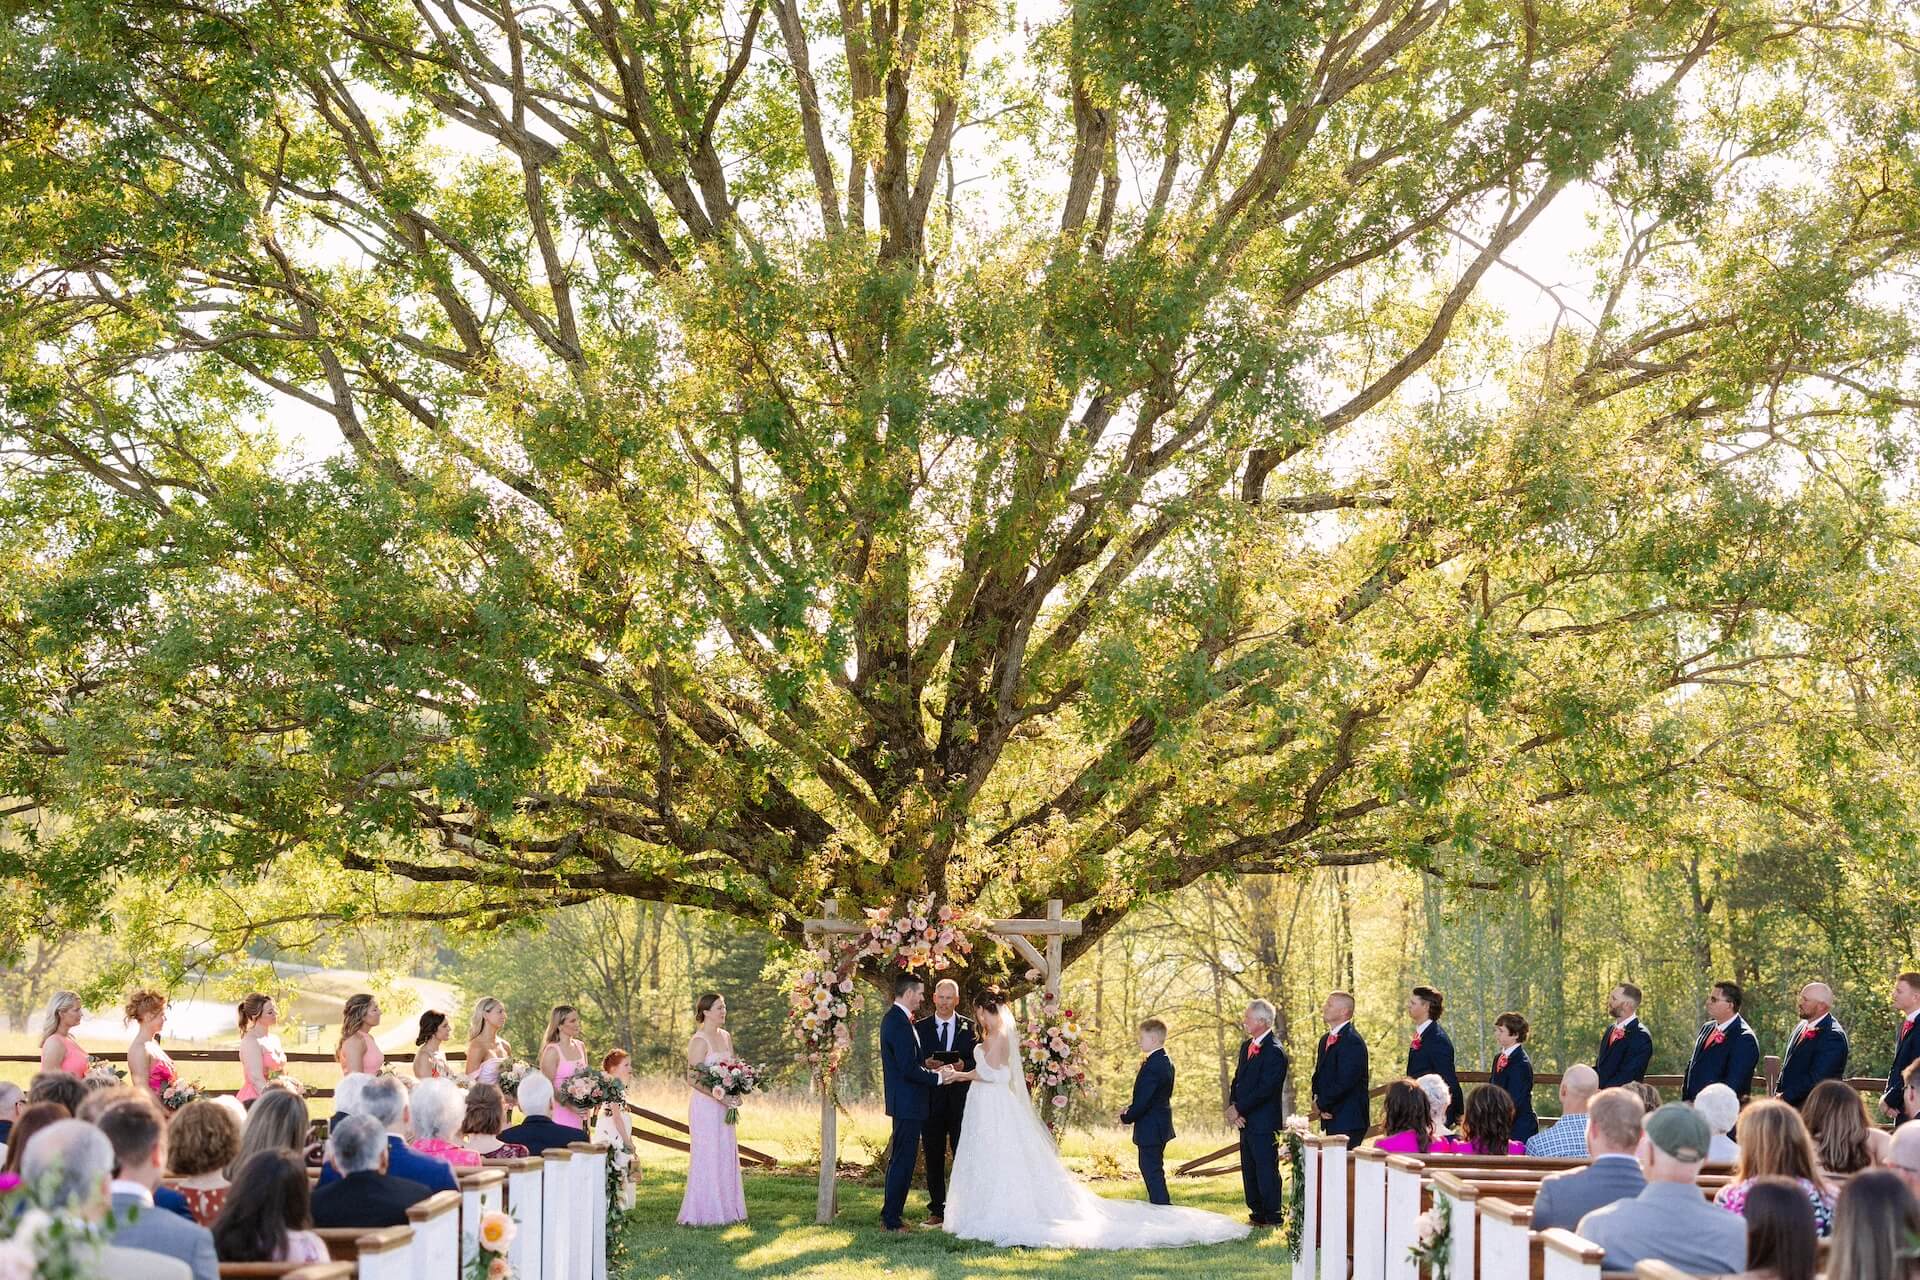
x,y
1151,1115
1517,1079
908,1089
403,1161
1258,1079
1813,1058
1905,1050
948,1107
1340,1085
1435,1057
1731,1062
1625,1060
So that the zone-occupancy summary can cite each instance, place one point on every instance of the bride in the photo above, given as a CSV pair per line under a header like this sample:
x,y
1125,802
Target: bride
x,y
1010,1188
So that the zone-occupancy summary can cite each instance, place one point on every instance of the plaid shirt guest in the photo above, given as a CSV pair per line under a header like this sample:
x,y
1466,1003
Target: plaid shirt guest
x,y
1566,1136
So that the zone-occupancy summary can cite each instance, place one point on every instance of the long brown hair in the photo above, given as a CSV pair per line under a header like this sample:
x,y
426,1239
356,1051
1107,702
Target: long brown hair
x,y
1488,1120
1875,1218
1774,1143
1780,1230
249,1009
554,1019
1837,1119
353,1020
1407,1111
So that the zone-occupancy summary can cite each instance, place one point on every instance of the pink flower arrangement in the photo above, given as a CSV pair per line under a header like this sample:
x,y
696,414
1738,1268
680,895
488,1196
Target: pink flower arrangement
x,y
178,1093
1054,1052
588,1088
727,1081
820,1002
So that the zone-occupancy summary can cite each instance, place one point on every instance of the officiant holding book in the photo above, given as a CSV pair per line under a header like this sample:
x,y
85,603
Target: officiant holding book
x,y
946,1037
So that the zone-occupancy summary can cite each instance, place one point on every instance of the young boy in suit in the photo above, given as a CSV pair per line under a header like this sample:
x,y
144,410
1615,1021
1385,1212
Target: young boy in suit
x,y
1151,1112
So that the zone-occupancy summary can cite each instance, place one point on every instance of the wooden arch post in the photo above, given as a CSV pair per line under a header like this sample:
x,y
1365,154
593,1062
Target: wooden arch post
x,y
1018,934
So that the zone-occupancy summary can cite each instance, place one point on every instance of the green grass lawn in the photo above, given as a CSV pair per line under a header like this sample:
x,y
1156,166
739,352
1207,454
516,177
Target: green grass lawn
x,y
781,1239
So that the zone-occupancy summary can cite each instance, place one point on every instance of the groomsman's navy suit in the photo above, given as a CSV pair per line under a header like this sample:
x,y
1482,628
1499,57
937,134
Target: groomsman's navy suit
x,y
1729,1060
1905,1049
909,1096
1517,1079
1625,1058
1151,1115
1434,1056
1818,1052
948,1106
1257,1081
1340,1084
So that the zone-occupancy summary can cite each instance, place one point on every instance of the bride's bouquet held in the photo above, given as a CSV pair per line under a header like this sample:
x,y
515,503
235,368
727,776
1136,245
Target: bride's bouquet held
x,y
728,1081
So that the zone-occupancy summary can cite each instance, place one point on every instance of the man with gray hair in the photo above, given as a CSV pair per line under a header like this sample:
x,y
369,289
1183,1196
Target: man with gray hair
x,y
75,1161
1670,1221
347,1095
363,1192
1253,1108
12,1098
384,1101
539,1131
1816,1051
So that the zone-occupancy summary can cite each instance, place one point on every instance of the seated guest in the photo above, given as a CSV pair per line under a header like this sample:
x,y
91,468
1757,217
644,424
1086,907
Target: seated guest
x,y
1486,1125
74,1161
1513,1071
1406,1122
34,1117
12,1099
1566,1137
1613,1128
539,1131
1903,1155
60,1087
438,1108
95,1104
346,1097
486,1117
1780,1236
1844,1137
1774,1144
1440,1100
277,1121
384,1101
269,1214
1670,1221
202,1142
138,1136
1648,1095
362,1192
1721,1110
1874,1227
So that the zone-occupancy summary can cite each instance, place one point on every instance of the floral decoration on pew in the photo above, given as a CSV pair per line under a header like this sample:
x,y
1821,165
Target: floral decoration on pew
x,y
494,1238
178,1093
1055,1051
36,1244
1293,1214
1433,1239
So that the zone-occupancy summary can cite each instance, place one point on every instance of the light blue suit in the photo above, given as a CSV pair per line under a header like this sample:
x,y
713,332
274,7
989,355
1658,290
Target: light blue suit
x,y
168,1234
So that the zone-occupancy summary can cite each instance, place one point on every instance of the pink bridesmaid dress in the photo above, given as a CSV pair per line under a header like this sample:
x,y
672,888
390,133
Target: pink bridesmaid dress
x,y
566,1115
75,1061
715,1195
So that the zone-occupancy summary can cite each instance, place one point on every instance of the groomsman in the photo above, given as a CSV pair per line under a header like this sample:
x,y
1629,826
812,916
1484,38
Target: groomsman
x,y
1817,1050
1253,1107
1431,1052
908,1090
1151,1111
1340,1073
1626,1050
946,1037
1906,1047
1726,1051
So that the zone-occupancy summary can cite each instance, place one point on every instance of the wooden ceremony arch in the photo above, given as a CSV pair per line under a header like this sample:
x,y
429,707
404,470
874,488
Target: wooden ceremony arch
x,y
1018,934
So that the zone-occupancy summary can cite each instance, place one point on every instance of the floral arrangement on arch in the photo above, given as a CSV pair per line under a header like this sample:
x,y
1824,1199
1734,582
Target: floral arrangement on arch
x,y
1054,1051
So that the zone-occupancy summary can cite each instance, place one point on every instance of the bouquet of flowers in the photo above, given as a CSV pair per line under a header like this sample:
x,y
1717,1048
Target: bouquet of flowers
x,y
105,1070
818,1006
510,1078
588,1088
178,1093
1055,1053
727,1081
492,1240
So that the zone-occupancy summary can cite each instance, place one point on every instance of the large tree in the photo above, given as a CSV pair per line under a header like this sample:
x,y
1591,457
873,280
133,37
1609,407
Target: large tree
x,y
783,449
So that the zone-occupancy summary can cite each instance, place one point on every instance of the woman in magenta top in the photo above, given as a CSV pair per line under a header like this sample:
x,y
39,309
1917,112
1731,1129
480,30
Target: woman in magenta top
x,y
1486,1126
1406,1125
59,1051
147,1062
262,1061
561,1056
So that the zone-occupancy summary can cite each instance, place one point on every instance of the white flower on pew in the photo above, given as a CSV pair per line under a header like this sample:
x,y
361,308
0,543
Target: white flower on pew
x,y
1429,1227
1297,1124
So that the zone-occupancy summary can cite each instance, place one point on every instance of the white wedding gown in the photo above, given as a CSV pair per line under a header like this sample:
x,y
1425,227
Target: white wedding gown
x,y
1009,1187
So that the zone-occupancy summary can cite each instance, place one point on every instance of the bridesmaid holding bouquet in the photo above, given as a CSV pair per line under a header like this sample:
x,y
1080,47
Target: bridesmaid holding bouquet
x,y
715,1194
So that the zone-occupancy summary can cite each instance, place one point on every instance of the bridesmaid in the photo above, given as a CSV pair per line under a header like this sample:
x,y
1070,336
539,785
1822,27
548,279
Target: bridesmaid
x,y
262,1060
357,1051
147,1063
561,1056
430,1063
615,1128
59,1051
715,1195
1513,1071
487,1049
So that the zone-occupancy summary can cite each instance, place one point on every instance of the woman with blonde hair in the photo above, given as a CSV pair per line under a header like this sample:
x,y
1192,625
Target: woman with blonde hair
x,y
1844,1138
147,1063
562,1054
59,1051
357,1052
1774,1144
487,1048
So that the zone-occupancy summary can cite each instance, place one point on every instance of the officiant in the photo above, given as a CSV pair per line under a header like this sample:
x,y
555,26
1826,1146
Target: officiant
x,y
946,1036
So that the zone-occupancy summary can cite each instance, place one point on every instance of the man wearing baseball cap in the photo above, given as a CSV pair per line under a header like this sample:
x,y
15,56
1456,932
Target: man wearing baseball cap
x,y
1670,1221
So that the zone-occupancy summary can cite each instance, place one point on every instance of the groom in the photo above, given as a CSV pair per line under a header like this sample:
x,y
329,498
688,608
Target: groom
x,y
1254,1109
909,1094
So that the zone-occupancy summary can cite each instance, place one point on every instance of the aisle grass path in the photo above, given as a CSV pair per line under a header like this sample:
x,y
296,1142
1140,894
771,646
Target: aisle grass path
x,y
781,1240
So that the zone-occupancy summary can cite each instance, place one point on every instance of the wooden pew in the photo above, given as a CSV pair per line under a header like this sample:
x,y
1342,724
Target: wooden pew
x,y
590,1183
482,1191
378,1253
286,1271
556,1214
526,1202
436,1236
1568,1257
